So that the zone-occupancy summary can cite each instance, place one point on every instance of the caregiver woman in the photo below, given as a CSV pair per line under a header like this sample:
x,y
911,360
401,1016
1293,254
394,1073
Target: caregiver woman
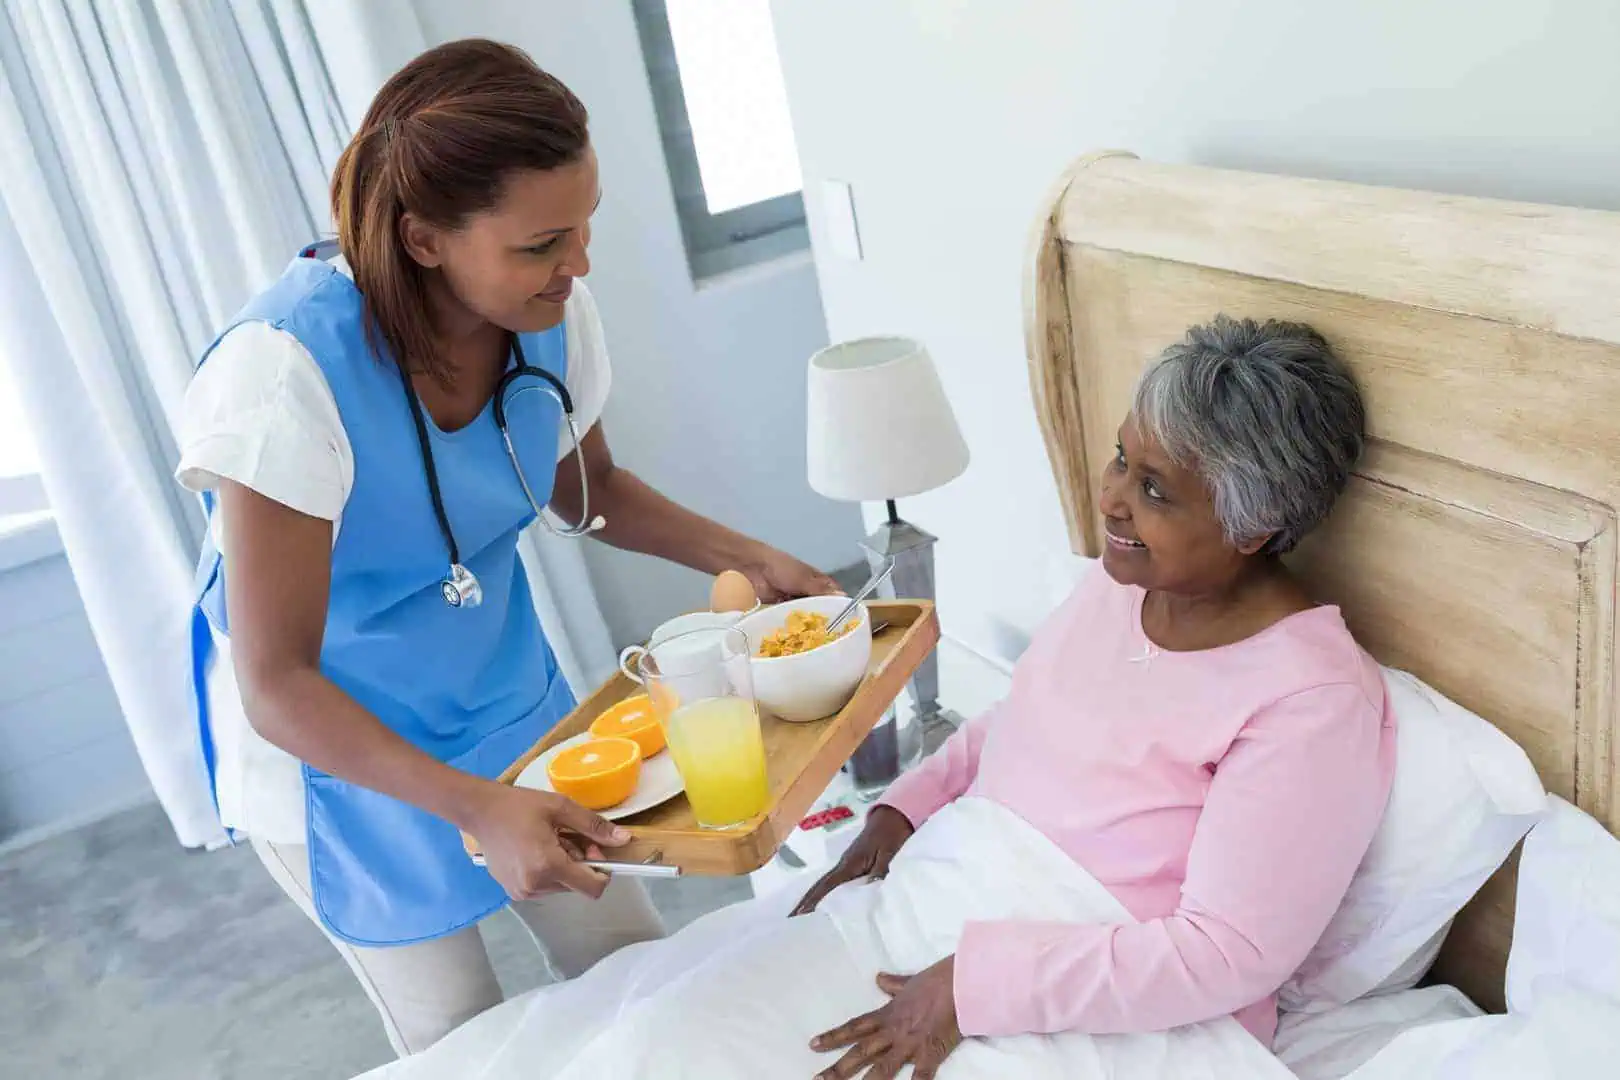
x,y
344,431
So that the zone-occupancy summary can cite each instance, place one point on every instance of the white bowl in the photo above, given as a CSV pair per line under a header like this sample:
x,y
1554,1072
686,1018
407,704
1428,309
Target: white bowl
x,y
809,685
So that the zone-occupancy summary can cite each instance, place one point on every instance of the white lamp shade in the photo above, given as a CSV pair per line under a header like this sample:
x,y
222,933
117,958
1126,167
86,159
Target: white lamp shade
x,y
880,426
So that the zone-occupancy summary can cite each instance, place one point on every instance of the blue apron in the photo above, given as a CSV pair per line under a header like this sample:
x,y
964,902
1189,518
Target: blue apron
x,y
473,687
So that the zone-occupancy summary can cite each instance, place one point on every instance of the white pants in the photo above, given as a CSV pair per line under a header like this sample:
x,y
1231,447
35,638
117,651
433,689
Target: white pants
x,y
424,991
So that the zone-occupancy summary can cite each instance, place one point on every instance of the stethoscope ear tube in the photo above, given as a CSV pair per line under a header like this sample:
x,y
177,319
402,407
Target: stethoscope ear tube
x,y
554,386
460,586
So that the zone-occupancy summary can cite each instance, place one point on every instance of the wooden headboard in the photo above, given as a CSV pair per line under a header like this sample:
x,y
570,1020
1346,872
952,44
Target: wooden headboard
x,y
1476,546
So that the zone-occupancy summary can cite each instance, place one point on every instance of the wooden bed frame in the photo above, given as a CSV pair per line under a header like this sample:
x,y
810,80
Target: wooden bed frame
x,y
1476,546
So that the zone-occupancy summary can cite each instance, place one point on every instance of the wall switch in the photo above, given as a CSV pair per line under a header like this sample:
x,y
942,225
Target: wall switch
x,y
838,217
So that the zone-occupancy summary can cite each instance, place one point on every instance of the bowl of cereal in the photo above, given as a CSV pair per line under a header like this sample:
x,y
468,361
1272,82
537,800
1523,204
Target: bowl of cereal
x,y
801,674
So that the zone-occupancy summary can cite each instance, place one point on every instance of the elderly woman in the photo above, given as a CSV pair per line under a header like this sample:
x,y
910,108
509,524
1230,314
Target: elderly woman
x,y
1190,727
1190,734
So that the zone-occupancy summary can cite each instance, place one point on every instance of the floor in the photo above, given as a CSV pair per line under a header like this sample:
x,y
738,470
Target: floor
x,y
124,956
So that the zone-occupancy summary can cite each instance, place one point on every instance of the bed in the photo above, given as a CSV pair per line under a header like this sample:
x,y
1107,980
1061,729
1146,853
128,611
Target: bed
x,y
1476,547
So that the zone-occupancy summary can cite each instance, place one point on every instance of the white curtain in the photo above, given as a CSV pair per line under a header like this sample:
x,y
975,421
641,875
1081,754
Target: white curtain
x,y
160,161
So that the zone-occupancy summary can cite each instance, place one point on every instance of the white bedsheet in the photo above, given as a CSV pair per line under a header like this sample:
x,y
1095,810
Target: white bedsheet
x,y
1334,1044
740,993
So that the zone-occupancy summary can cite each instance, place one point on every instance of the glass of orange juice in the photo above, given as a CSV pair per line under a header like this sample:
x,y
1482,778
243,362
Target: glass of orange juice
x,y
702,690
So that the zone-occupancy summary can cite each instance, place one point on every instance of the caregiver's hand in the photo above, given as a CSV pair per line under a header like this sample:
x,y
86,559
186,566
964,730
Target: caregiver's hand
x,y
523,834
917,1027
778,576
869,856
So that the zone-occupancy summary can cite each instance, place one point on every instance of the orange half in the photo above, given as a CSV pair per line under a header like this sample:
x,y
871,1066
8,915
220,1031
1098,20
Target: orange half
x,y
633,718
597,774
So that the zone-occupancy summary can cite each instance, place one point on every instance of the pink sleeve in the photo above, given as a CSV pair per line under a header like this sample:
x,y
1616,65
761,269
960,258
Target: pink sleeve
x,y
1289,815
942,776
951,770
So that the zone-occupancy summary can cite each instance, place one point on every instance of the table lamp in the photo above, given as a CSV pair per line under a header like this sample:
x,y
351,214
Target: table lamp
x,y
881,429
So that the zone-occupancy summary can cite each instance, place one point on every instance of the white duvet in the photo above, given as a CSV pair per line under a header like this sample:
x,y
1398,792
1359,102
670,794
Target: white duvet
x,y
740,993
1563,975
1574,1035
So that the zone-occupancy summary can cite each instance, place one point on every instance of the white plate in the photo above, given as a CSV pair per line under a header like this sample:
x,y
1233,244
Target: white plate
x,y
659,783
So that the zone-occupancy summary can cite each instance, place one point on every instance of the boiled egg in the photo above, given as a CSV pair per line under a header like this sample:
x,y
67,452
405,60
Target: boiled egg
x,y
733,591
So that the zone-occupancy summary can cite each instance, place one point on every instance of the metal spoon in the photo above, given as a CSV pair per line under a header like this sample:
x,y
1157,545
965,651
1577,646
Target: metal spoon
x,y
866,590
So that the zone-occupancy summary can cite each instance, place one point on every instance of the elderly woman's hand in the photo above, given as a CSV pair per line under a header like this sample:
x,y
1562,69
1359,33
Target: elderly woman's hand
x,y
868,857
918,1027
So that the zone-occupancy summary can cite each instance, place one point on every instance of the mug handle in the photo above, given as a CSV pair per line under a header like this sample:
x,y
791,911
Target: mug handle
x,y
626,659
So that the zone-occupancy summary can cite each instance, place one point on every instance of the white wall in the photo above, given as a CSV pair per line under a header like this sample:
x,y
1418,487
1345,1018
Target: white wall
x,y
708,394
951,118
65,753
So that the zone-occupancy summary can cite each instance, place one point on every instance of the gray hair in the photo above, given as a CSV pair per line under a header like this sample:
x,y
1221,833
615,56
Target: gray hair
x,y
1266,414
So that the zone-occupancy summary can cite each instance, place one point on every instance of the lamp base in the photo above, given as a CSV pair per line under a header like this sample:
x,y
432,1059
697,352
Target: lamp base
x,y
892,747
936,727
912,550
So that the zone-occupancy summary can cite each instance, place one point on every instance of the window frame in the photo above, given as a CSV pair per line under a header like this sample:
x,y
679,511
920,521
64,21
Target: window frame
x,y
22,494
28,530
715,243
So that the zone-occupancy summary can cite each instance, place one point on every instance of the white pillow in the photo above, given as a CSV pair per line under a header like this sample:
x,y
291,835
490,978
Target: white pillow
x,y
1464,795
1566,928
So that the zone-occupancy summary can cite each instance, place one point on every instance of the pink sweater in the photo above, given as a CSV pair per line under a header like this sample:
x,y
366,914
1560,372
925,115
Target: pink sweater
x,y
1224,797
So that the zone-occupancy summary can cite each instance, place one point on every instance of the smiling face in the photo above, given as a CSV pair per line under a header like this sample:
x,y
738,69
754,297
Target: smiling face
x,y
1162,532
514,265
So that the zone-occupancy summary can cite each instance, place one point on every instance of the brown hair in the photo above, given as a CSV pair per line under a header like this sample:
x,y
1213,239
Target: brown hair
x,y
438,142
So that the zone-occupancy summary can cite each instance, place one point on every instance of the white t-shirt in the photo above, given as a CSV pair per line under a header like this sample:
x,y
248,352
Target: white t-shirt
x,y
260,413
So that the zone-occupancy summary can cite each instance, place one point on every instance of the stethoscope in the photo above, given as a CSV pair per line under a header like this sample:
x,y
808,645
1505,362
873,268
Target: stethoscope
x,y
460,586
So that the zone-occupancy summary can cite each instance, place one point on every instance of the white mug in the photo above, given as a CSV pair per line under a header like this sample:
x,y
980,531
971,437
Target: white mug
x,y
680,624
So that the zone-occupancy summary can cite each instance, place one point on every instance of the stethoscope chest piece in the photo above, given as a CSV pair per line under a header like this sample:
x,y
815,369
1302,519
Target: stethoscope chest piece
x,y
461,588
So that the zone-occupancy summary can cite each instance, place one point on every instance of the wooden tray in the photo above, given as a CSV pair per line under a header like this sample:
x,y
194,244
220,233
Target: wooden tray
x,y
801,759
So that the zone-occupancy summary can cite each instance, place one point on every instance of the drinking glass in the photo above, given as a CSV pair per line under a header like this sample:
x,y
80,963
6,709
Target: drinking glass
x,y
702,691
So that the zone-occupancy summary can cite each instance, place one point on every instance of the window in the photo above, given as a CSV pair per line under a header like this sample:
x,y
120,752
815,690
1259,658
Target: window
x,y
722,110
20,489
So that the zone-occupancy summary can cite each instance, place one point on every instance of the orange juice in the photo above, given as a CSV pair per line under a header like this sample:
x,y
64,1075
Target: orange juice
x,y
720,754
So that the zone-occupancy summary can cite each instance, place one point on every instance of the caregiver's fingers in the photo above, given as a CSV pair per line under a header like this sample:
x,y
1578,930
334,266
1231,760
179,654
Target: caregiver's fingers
x,y
579,847
572,848
860,1056
568,814
826,586
562,864
847,1034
